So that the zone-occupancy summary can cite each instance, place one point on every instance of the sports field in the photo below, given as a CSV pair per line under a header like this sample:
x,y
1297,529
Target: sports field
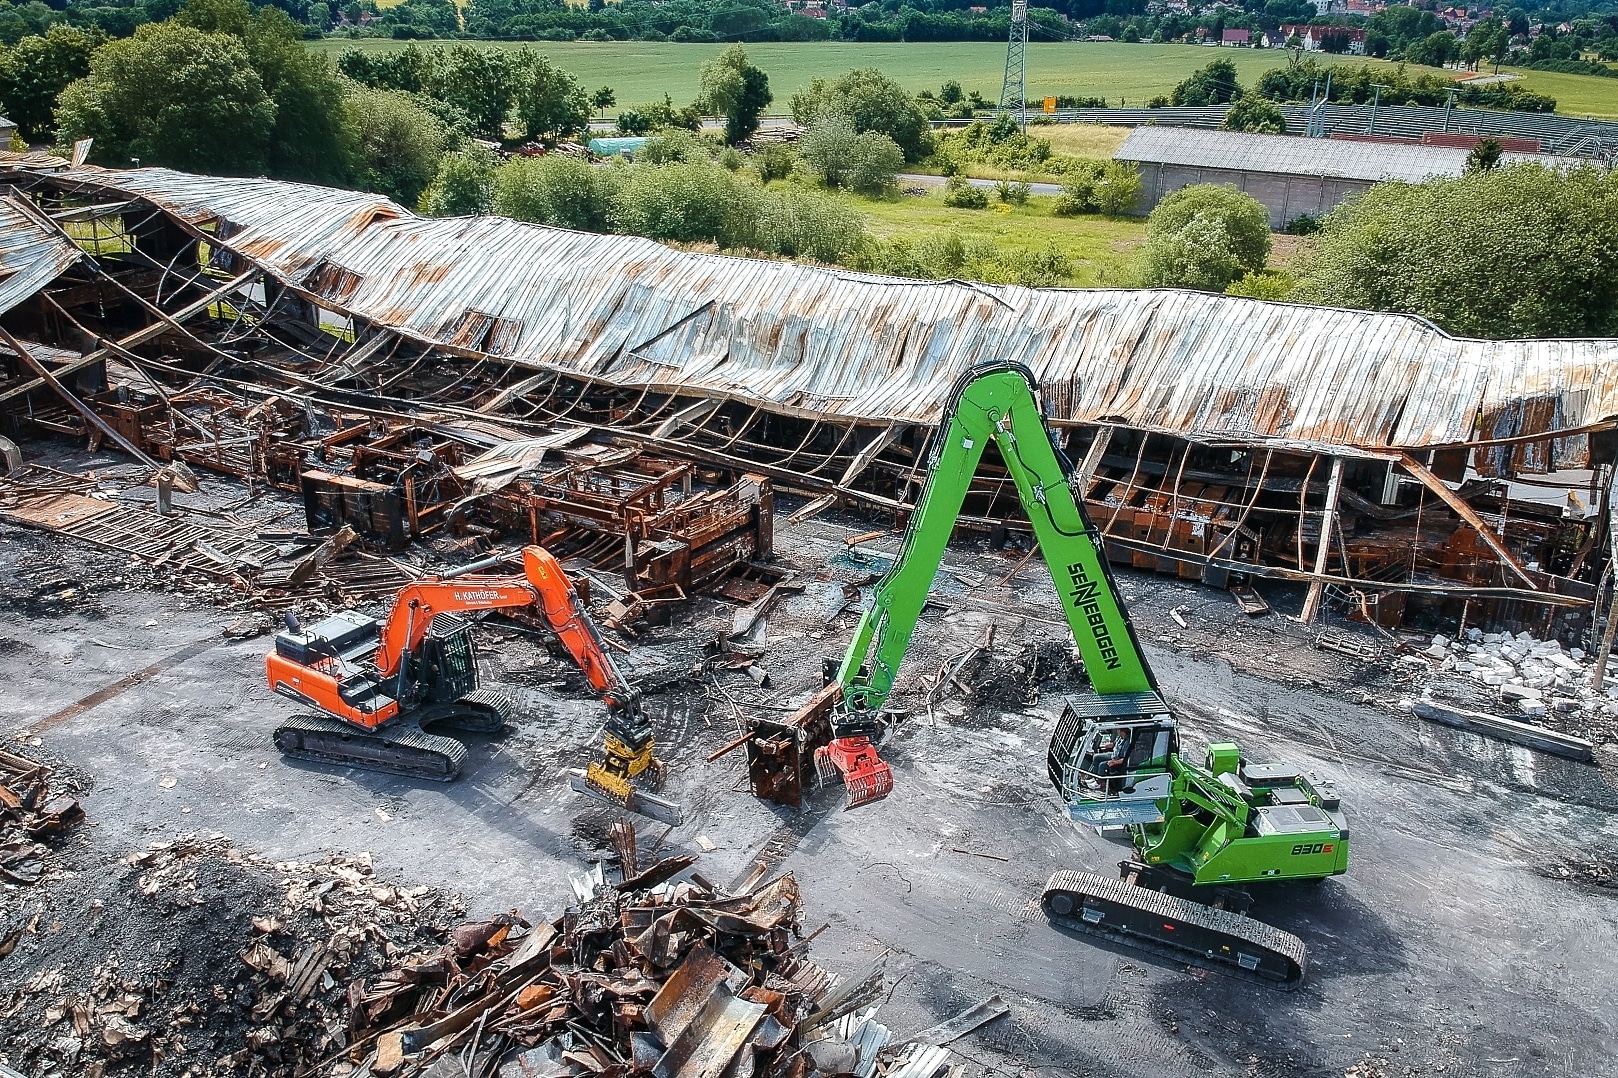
x,y
641,72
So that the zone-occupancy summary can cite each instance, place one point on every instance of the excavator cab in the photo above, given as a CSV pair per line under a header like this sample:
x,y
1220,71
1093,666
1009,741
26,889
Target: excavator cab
x,y
1109,758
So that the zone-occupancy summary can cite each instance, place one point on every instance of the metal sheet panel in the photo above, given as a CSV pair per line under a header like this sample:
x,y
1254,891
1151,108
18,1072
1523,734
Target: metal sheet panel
x,y
32,254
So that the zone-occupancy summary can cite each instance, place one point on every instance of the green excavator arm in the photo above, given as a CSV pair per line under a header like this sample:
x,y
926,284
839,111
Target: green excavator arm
x,y
992,402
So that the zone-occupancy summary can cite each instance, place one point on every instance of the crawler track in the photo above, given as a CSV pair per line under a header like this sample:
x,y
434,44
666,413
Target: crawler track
x,y
403,748
1175,927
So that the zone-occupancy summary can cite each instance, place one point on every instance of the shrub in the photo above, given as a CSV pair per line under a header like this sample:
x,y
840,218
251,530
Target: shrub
x,y
556,190
960,194
1517,251
634,122
688,202
866,160
731,159
1118,188
1205,236
800,223
674,144
870,101
1013,192
775,162
1255,114
464,185
1269,284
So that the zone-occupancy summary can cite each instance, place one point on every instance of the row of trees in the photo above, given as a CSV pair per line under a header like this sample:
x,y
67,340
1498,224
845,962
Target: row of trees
x,y
1302,78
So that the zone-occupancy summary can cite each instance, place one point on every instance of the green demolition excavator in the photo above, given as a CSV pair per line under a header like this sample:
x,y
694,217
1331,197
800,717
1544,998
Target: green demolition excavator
x,y
1201,830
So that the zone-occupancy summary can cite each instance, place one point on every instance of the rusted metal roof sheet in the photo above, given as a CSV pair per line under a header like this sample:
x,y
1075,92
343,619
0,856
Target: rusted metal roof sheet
x,y
32,253
633,312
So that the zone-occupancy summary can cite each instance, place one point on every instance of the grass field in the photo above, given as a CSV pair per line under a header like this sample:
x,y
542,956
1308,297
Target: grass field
x,y
1101,247
642,71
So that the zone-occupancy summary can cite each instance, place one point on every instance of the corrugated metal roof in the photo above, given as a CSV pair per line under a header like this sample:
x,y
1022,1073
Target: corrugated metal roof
x,y
32,254
1295,156
792,337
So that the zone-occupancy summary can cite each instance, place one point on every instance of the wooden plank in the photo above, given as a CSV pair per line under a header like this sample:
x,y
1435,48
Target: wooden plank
x,y
1311,602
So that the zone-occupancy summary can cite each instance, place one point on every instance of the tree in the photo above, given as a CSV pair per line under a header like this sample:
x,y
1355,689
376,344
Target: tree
x,y
172,95
1517,251
603,99
733,87
308,140
866,161
1255,114
479,83
1205,236
399,144
1215,84
550,103
35,71
556,190
1435,50
1484,156
872,102
463,187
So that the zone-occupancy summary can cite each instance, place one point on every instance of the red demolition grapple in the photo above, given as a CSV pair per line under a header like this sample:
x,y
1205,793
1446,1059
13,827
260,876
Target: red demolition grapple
x,y
865,777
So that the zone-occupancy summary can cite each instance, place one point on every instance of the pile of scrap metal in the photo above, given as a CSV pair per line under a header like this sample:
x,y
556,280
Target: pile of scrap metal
x,y
240,563
31,814
646,977
1409,477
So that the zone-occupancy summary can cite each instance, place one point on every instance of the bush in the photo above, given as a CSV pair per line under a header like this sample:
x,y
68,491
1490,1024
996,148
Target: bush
x,y
556,190
688,202
675,144
1517,251
633,122
1270,284
1118,188
730,159
807,224
775,162
870,101
1302,225
399,144
959,193
1205,236
1110,187
866,161
1255,114
464,185
1013,192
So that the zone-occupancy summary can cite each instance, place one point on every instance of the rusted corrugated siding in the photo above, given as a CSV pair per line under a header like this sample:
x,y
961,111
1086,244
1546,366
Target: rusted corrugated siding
x,y
633,312
32,254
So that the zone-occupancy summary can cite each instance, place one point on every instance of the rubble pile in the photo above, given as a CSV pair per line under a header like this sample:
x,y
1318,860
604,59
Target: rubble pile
x,y
32,815
1532,676
650,976
201,959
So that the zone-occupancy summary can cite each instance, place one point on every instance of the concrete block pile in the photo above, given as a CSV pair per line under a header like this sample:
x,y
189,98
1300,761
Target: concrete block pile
x,y
1533,676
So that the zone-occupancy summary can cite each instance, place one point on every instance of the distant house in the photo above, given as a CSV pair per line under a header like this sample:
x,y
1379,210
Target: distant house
x,y
1238,38
1314,37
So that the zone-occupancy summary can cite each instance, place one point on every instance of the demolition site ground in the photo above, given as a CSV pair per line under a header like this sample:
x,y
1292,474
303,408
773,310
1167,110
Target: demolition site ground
x,y
1472,935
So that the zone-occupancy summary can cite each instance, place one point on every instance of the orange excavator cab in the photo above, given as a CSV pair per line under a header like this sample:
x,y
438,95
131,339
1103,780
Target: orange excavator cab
x,y
379,686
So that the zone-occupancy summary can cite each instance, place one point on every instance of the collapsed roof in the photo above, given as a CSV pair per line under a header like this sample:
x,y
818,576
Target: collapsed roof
x,y
823,341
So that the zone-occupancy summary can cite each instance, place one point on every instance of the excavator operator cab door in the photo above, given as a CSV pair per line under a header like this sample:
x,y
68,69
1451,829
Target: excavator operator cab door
x,y
1111,766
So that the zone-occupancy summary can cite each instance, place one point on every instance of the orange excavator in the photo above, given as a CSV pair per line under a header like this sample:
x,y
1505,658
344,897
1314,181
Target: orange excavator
x,y
380,686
